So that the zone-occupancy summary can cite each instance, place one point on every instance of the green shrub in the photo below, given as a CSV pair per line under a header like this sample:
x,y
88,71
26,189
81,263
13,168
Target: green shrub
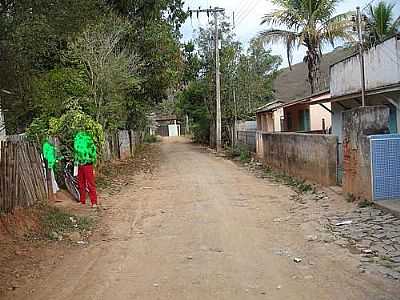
x,y
240,151
201,132
150,139
72,122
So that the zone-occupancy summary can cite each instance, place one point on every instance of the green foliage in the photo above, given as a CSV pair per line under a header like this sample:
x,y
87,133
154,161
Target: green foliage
x,y
55,51
149,139
301,186
111,69
248,74
52,90
33,36
38,130
69,124
381,22
191,102
241,151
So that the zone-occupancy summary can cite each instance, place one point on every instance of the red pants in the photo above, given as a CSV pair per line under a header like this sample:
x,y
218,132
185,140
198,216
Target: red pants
x,y
86,179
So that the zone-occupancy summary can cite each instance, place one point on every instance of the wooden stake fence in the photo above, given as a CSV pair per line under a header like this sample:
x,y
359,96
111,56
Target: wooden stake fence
x,y
22,178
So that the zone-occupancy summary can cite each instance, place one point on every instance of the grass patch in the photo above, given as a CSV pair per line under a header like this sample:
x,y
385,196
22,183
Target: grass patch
x,y
61,222
150,139
240,151
301,186
364,203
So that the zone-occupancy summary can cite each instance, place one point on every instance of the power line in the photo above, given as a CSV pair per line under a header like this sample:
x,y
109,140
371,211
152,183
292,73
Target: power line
x,y
255,3
245,8
214,12
247,11
242,7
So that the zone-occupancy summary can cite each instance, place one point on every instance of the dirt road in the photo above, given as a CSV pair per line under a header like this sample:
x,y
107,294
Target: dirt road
x,y
200,227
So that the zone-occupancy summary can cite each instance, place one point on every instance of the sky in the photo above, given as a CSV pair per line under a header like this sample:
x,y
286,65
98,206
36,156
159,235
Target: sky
x,y
248,15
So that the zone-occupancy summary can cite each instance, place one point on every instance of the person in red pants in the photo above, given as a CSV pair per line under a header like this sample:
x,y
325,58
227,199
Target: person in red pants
x,y
85,158
86,179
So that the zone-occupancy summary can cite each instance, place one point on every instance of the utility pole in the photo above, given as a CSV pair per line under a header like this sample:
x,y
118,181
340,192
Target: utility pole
x,y
215,12
217,85
361,53
235,119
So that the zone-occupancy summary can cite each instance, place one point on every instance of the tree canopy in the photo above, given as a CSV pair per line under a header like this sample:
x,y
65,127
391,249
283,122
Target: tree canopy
x,y
117,59
308,23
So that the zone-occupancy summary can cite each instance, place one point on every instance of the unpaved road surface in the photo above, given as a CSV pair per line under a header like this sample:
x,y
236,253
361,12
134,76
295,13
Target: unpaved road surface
x,y
201,227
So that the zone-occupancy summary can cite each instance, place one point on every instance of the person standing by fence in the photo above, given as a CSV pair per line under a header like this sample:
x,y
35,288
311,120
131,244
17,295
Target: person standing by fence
x,y
85,158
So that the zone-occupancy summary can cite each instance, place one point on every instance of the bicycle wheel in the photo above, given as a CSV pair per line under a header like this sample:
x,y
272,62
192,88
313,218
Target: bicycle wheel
x,y
72,188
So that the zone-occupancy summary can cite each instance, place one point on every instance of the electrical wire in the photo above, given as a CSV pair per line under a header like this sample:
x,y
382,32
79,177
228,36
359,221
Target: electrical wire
x,y
243,9
247,11
244,17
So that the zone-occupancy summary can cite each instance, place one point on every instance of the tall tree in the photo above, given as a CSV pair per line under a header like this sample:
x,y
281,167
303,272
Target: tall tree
x,y
111,69
248,73
33,35
382,22
309,23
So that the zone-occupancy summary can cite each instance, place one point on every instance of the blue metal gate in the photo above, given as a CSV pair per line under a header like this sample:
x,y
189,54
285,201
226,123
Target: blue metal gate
x,y
385,166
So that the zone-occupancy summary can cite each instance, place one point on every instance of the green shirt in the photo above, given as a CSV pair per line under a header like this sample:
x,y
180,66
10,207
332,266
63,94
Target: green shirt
x,y
84,149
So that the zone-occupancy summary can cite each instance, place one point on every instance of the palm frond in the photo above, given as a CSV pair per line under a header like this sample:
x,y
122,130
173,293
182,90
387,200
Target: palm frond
x,y
289,38
339,30
282,17
380,20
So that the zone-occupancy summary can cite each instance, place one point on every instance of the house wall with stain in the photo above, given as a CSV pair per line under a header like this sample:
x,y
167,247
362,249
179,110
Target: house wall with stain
x,y
308,156
358,124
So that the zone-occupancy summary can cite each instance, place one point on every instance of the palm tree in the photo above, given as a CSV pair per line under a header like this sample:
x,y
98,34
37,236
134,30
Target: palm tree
x,y
381,23
309,23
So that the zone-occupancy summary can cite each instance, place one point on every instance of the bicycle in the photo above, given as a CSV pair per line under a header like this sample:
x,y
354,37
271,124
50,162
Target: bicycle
x,y
71,181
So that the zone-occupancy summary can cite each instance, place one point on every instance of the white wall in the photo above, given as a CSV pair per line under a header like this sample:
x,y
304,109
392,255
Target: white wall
x,y
2,129
174,130
317,113
382,67
278,114
337,120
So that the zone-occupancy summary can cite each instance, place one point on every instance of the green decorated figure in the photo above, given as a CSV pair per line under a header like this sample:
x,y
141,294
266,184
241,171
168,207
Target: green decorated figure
x,y
49,154
85,156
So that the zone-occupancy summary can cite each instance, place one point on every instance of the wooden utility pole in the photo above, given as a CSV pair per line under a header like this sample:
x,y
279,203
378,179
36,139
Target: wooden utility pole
x,y
215,12
217,85
235,119
361,53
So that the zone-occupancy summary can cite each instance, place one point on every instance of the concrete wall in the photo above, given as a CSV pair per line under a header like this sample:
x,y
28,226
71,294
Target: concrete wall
x,y
307,156
121,145
382,67
246,125
248,139
317,113
358,123
374,100
124,144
